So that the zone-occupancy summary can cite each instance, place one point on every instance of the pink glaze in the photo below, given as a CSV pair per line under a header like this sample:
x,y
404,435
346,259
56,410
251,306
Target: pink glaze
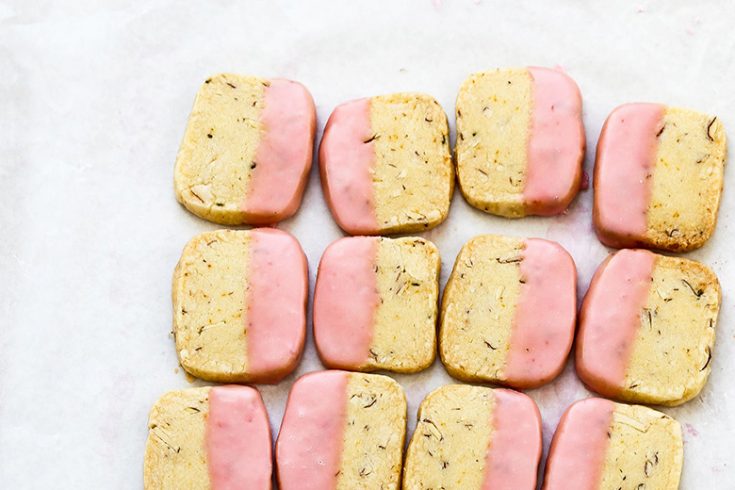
x,y
346,160
345,300
283,157
238,439
577,453
610,318
585,184
556,142
626,156
543,327
309,446
276,310
511,462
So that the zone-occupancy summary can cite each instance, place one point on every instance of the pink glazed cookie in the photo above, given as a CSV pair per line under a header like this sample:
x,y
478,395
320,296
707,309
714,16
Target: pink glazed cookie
x,y
658,177
601,445
647,328
342,431
375,304
520,141
474,438
247,150
509,311
217,438
239,301
385,164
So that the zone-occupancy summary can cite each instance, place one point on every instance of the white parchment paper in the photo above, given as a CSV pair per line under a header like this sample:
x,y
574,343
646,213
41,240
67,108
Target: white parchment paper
x,y
94,97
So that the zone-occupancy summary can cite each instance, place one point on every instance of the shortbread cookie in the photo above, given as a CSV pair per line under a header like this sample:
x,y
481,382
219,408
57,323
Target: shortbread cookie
x,y
602,445
385,164
342,431
658,177
246,151
375,304
208,438
240,305
471,437
508,311
647,328
520,141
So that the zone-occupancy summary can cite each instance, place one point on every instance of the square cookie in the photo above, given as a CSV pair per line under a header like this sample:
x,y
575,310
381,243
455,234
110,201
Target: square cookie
x,y
342,431
658,177
247,150
471,437
239,300
208,438
520,141
375,304
601,445
508,311
647,328
385,164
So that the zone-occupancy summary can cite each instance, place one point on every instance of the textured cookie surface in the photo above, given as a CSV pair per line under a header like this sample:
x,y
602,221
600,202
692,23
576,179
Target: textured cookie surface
x,y
508,311
520,141
385,164
208,438
247,150
604,445
375,304
647,328
658,177
239,302
472,437
342,431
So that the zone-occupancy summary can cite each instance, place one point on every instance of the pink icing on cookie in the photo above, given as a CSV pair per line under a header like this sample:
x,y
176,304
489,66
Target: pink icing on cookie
x,y
309,447
577,453
556,142
276,310
610,318
626,154
283,157
238,439
345,300
346,161
511,462
545,316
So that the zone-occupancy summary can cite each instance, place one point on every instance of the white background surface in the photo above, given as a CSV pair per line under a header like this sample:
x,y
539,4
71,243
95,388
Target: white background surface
x,y
94,97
